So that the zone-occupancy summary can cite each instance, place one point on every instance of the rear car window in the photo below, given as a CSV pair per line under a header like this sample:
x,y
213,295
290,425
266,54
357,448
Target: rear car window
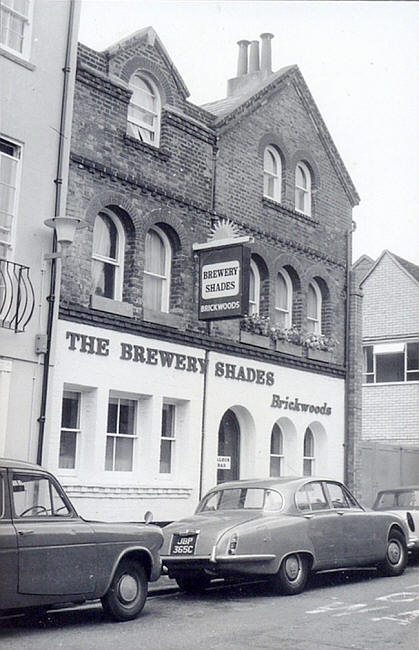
x,y
241,499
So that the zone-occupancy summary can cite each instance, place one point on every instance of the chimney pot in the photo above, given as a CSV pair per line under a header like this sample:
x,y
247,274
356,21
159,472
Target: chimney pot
x,y
266,55
242,60
254,57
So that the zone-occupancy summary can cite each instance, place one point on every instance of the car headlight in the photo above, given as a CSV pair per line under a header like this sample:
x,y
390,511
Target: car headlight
x,y
234,540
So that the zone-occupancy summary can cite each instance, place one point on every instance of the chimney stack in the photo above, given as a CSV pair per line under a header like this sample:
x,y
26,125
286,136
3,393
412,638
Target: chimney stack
x,y
254,57
242,60
266,57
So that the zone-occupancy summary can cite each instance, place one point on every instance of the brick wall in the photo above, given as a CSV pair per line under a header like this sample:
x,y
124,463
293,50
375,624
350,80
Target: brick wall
x,y
391,305
391,413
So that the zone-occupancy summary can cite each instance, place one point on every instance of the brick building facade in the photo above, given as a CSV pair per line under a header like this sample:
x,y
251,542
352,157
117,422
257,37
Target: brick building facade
x,y
150,406
390,335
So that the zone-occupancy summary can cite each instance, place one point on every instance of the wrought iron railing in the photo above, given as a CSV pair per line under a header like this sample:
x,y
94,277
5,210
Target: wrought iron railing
x,y
17,297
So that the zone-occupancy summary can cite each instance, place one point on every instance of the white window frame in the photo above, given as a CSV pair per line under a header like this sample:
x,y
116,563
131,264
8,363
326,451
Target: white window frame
x,y
76,431
305,191
254,305
267,174
118,262
166,277
281,451
8,235
317,321
136,127
171,439
288,310
26,20
117,435
387,348
306,458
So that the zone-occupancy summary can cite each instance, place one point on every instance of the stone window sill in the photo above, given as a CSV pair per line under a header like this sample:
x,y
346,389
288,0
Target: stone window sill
x,y
111,306
16,58
271,203
148,148
162,318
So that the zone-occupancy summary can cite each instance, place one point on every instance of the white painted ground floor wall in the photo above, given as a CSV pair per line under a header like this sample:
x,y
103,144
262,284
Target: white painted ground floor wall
x,y
99,364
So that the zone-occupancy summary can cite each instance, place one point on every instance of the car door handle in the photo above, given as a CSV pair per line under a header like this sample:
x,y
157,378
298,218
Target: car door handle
x,y
26,532
340,512
308,516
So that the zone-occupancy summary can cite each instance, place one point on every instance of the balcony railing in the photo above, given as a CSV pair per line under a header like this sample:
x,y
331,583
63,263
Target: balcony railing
x,y
17,298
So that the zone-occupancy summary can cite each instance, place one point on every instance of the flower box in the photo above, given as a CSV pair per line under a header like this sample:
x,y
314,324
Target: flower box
x,y
319,355
250,338
286,347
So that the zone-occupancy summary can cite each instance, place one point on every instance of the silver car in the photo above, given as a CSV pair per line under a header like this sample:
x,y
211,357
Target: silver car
x,y
282,528
403,501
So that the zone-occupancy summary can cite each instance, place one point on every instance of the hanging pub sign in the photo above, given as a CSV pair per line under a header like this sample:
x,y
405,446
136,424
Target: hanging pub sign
x,y
223,280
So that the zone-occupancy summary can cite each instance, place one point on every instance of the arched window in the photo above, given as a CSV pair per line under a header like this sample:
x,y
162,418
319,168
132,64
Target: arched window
x,y
144,110
272,174
303,188
254,288
108,256
314,308
308,460
277,452
283,299
158,260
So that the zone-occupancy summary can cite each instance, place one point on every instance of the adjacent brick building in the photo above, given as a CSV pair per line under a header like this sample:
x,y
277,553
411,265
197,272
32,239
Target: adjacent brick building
x,y
150,405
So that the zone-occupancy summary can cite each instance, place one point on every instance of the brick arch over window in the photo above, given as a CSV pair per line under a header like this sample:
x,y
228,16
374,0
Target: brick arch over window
x,y
303,155
295,272
148,68
318,274
276,141
172,227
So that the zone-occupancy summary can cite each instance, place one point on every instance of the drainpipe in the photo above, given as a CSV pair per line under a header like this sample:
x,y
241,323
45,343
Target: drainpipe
x,y
64,122
347,347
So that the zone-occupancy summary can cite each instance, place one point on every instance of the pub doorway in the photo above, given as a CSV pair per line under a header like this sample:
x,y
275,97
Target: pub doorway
x,y
228,462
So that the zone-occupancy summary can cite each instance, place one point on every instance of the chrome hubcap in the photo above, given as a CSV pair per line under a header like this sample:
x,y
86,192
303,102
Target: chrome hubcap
x,y
394,552
127,588
292,567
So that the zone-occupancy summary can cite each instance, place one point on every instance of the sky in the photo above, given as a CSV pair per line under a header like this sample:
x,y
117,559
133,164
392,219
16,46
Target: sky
x,y
359,59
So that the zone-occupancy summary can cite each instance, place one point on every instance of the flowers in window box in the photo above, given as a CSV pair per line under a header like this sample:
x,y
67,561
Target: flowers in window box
x,y
289,334
256,324
319,342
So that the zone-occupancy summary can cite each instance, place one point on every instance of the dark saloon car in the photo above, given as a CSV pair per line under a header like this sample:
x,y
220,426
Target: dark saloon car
x,y
50,555
282,528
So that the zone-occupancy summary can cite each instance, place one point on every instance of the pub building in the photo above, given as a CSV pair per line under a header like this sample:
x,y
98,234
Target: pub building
x,y
204,319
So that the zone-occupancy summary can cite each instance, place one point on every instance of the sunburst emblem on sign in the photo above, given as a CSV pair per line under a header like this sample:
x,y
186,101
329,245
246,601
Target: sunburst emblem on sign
x,y
224,229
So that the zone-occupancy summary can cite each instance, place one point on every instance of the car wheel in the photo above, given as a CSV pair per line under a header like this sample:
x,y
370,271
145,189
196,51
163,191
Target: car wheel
x,y
195,583
396,555
126,596
292,575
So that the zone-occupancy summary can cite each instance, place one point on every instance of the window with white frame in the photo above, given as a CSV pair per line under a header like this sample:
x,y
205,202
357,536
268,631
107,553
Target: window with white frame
x,y
314,308
144,110
70,429
121,432
167,440
15,17
157,264
277,452
272,174
391,362
283,299
108,256
303,189
10,155
254,288
308,457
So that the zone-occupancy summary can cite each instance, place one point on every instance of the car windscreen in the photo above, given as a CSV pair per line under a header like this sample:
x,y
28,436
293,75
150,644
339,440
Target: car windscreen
x,y
400,500
241,499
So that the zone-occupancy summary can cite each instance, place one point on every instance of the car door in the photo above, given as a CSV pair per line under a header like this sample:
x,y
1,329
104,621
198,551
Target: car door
x,y
56,549
359,529
324,526
8,548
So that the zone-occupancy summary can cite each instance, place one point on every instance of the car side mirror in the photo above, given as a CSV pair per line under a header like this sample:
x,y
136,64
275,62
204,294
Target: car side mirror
x,y
148,517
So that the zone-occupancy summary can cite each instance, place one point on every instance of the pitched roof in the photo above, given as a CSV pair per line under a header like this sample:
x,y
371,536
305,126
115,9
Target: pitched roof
x,y
149,34
227,110
408,267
